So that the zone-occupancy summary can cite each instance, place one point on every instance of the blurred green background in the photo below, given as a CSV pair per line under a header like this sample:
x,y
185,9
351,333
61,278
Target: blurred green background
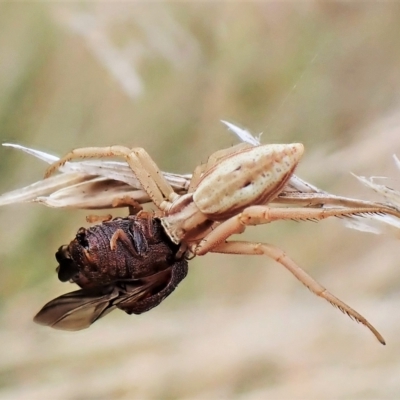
x,y
161,75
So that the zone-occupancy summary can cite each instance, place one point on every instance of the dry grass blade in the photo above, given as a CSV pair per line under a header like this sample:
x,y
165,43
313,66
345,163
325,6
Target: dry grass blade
x,y
85,185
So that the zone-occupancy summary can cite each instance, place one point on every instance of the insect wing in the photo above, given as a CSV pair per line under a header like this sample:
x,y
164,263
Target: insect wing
x,y
144,294
131,302
77,310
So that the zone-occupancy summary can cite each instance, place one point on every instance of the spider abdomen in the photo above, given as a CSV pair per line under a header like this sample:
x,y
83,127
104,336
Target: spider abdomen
x,y
249,177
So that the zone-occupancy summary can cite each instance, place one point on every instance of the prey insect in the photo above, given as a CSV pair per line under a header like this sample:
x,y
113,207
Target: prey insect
x,y
126,263
232,191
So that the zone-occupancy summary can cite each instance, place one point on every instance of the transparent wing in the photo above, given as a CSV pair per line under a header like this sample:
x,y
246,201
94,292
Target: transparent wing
x,y
77,310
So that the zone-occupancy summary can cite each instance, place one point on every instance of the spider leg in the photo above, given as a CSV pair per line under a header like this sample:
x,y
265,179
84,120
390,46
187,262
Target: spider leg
x,y
317,200
212,160
141,164
198,172
134,206
250,248
217,156
156,175
257,215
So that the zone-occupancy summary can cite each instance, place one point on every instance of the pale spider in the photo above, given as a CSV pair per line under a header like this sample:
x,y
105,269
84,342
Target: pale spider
x,y
229,193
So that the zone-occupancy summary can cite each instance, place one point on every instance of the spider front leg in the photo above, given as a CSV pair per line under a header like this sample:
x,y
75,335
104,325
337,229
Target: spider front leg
x,y
249,248
257,215
213,160
139,161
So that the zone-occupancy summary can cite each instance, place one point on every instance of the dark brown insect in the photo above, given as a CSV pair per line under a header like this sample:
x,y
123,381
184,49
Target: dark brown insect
x,y
126,263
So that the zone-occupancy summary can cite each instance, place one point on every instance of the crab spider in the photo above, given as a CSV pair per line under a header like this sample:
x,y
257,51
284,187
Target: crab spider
x,y
232,191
